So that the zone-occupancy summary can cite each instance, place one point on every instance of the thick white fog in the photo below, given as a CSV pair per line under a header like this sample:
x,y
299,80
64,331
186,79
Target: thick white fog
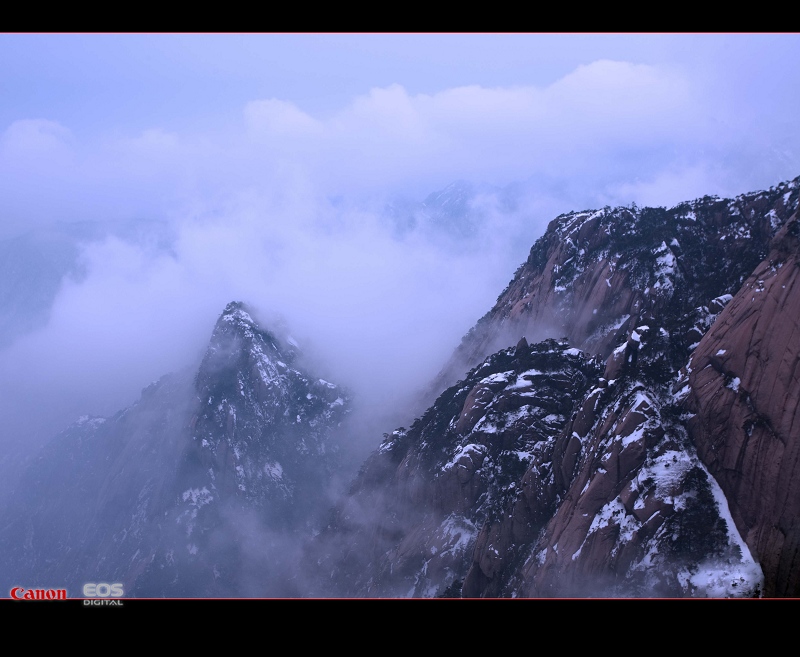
x,y
377,312
288,201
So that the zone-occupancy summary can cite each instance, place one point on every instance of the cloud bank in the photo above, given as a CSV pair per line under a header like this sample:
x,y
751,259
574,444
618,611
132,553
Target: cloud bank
x,y
619,128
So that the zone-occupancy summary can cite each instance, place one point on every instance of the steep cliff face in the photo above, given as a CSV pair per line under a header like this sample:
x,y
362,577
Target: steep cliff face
x,y
644,513
745,399
193,490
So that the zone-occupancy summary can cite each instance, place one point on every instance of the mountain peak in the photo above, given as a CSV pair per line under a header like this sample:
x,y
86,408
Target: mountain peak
x,y
237,311
259,403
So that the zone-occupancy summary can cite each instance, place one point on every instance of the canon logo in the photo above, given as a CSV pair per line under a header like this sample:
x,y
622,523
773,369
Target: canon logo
x,y
19,593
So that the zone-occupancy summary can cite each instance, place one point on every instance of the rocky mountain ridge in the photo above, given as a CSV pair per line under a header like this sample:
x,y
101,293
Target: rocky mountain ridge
x,y
420,500
595,274
621,497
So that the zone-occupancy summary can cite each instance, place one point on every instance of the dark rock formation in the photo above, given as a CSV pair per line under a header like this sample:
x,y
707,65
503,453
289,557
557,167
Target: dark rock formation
x,y
407,526
194,490
633,510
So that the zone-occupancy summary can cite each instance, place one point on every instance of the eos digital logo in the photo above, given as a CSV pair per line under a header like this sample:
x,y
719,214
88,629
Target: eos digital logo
x,y
104,592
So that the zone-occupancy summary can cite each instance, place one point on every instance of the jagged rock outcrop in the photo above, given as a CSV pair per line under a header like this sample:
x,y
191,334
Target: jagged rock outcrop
x,y
745,399
262,432
194,489
256,466
407,527
634,512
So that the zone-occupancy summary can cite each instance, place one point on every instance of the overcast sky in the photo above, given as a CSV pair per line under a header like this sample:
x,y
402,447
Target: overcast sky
x,y
272,155
100,125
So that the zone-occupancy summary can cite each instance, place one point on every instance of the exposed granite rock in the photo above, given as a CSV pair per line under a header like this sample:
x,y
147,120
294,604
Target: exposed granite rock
x,y
630,511
745,396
